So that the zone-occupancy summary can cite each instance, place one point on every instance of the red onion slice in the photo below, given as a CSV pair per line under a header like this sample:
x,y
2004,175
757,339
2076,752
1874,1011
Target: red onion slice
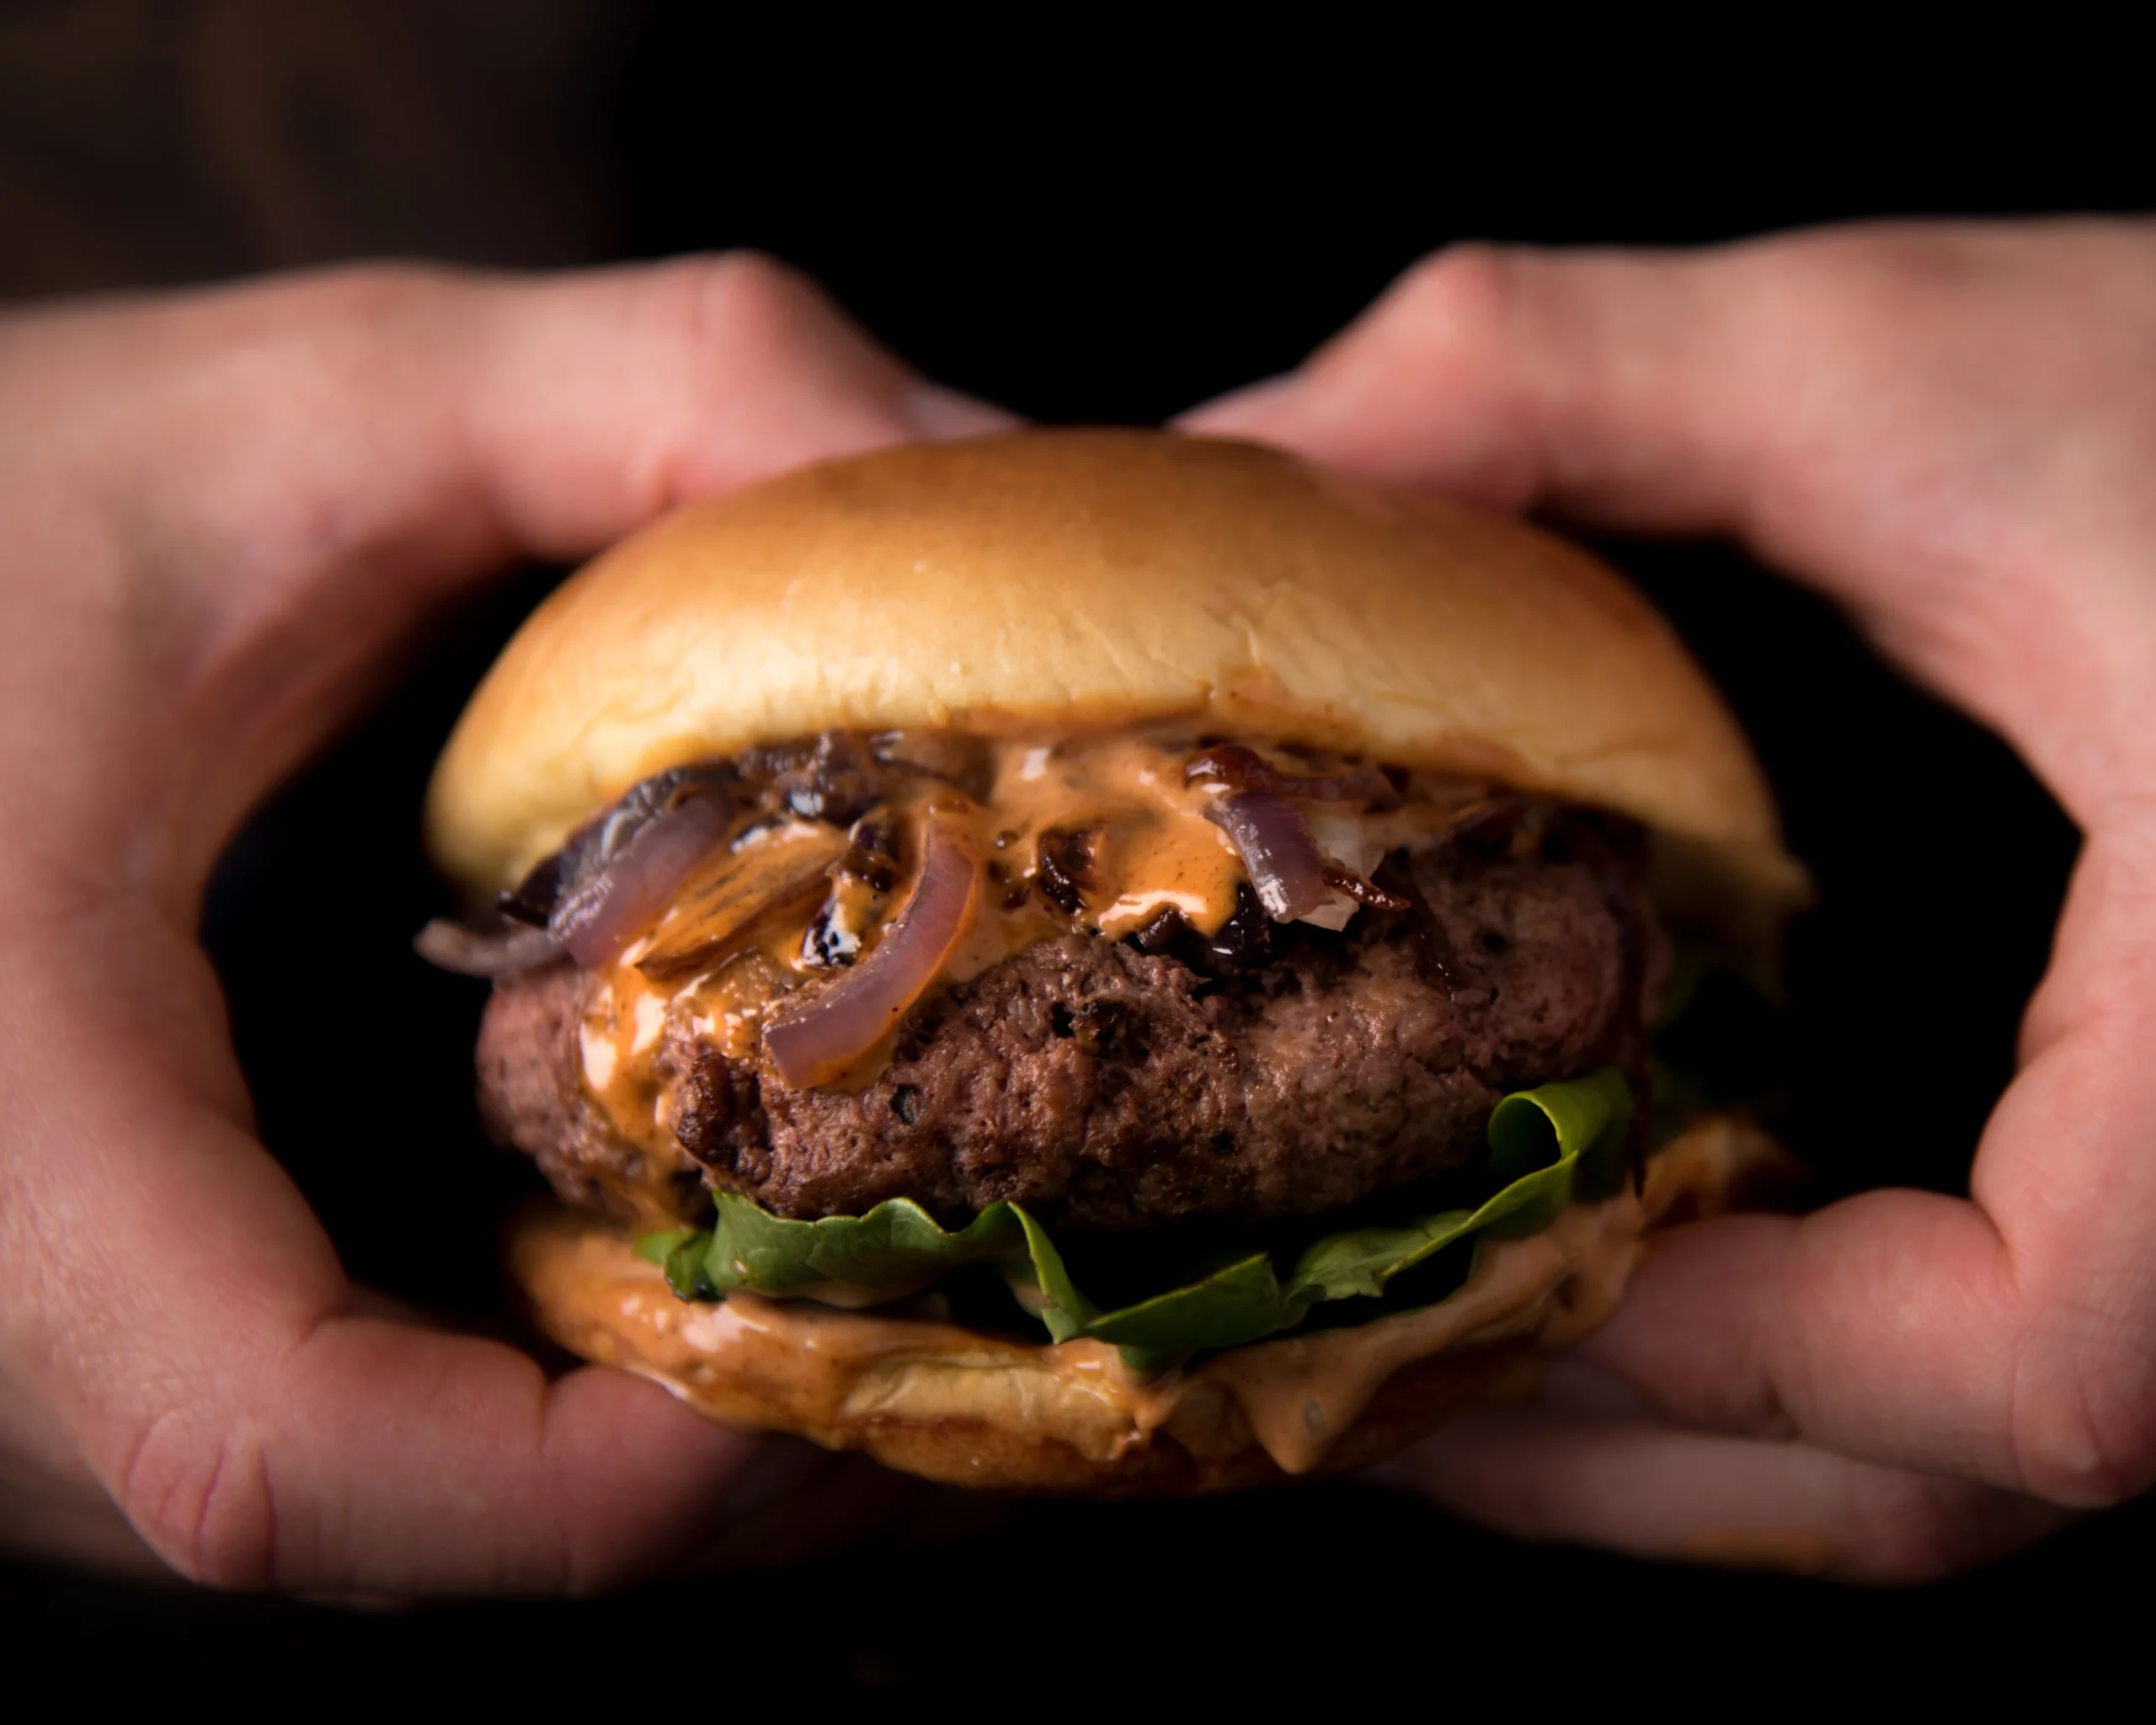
x,y
470,952
1278,854
723,903
1241,768
841,1023
611,909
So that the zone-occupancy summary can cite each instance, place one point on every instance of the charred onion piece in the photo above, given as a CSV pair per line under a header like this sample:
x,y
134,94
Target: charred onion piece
x,y
873,851
1242,769
532,900
1278,854
831,777
953,756
601,916
1064,867
725,900
472,951
591,847
841,1023
1363,892
1169,928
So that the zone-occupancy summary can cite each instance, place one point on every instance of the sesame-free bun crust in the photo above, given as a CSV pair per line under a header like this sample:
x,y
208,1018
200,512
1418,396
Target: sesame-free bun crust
x,y
1064,578
1001,1414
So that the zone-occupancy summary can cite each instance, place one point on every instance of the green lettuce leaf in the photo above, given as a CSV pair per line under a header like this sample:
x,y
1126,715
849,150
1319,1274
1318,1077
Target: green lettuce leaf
x,y
1549,1147
895,1250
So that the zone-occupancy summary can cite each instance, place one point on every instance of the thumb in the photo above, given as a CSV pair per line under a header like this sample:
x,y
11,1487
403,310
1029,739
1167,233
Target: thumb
x,y
586,404
1946,427
1515,377
284,478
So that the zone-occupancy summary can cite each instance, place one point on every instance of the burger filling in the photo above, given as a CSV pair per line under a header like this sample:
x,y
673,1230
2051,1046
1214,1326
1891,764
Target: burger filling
x,y
1166,1039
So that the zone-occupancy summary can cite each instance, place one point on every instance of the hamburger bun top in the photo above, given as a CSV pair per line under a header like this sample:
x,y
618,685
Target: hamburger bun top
x,y
1069,578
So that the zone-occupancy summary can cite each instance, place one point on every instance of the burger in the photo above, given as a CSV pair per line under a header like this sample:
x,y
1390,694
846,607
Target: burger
x,y
1095,961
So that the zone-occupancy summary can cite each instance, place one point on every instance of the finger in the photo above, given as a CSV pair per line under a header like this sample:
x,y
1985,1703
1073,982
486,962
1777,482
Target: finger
x,y
52,1507
1526,378
172,1305
2005,1337
366,407
1751,391
295,473
1933,424
1728,388
1630,1485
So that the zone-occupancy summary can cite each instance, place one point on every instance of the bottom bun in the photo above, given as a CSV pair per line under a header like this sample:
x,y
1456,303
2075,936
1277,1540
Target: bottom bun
x,y
954,1405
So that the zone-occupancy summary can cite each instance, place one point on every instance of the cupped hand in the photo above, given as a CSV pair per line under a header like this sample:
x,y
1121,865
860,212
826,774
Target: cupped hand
x,y
224,511
1952,431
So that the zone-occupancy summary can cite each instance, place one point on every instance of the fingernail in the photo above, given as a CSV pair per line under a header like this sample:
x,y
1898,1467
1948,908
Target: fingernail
x,y
936,412
1239,409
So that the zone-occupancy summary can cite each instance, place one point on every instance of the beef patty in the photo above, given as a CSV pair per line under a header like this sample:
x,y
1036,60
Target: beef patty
x,y
1106,1087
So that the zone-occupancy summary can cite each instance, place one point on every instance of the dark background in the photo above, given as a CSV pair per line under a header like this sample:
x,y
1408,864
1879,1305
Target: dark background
x,y
1086,224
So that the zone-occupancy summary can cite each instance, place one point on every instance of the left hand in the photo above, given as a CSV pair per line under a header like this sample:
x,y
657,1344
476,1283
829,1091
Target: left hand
x,y
224,510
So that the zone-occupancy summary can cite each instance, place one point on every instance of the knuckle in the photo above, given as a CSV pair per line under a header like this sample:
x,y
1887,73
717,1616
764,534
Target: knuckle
x,y
1438,380
1468,291
203,1502
1865,288
2088,1439
712,333
720,326
2082,1413
350,317
374,290
1887,253
742,299
753,278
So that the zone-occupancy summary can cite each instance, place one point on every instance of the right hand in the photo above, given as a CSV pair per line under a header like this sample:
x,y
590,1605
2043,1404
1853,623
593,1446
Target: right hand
x,y
1952,431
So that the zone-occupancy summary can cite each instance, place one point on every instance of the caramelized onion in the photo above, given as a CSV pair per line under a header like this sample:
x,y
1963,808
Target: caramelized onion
x,y
1063,866
720,904
1278,854
1244,769
841,1021
472,951
588,850
604,914
1350,857
954,756
1352,885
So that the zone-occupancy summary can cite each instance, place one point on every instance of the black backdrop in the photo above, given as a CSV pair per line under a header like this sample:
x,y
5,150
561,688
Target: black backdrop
x,y
1088,230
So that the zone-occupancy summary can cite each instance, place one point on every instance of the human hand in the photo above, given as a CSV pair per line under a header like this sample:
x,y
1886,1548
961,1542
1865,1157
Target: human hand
x,y
1951,430
224,510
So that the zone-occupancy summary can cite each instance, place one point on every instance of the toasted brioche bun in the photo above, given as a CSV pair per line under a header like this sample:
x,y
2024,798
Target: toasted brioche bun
x,y
950,1404
1068,578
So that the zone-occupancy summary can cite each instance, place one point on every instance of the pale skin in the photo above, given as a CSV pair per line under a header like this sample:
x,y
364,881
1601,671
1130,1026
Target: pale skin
x,y
226,509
